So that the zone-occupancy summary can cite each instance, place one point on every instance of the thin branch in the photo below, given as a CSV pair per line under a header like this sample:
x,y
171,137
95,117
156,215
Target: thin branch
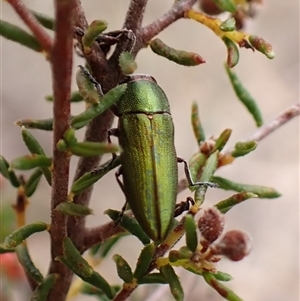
x,y
37,29
265,130
61,61
123,294
175,13
133,21
97,131
261,133
135,14
99,234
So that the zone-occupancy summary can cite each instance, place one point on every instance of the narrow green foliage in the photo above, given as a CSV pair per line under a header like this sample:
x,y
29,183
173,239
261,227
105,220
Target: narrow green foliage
x,y
210,167
95,249
75,97
91,290
228,25
233,54
129,224
4,166
221,276
17,236
182,254
89,178
190,233
222,140
40,124
92,32
152,279
207,173
73,260
31,143
31,161
8,173
127,63
44,20
178,56
72,209
27,264
104,248
62,146
243,148
196,164
225,205
90,149
86,87
175,287
123,268
261,45
144,261
17,34
244,96
35,148
260,191
196,124
107,101
220,288
32,183
42,290
69,137
226,5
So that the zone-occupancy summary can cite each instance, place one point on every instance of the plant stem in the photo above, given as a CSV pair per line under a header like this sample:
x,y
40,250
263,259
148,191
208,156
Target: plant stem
x,y
28,18
135,14
268,128
175,13
61,62
261,133
98,234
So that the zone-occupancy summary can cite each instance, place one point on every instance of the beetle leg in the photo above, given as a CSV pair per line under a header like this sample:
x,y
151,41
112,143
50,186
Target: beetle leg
x,y
183,206
104,167
189,177
121,214
112,132
117,174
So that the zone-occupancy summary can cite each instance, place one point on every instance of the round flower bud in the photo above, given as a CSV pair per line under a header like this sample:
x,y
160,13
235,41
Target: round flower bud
x,y
235,245
211,224
209,7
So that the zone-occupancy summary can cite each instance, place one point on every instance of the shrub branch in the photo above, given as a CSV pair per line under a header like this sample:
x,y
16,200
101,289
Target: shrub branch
x,y
28,18
61,63
261,133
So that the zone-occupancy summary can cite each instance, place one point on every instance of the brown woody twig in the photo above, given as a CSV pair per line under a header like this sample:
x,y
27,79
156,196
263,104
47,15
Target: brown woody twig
x,y
28,18
61,63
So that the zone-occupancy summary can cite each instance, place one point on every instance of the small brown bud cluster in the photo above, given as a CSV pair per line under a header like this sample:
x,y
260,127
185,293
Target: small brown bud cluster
x,y
235,245
211,224
209,7
207,146
242,13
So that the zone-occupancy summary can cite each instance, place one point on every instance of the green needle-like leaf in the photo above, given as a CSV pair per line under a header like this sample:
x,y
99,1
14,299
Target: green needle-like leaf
x,y
224,291
260,191
17,34
245,97
25,260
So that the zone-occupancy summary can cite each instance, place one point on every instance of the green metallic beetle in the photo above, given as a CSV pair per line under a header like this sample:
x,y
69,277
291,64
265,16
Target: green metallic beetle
x,y
148,159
